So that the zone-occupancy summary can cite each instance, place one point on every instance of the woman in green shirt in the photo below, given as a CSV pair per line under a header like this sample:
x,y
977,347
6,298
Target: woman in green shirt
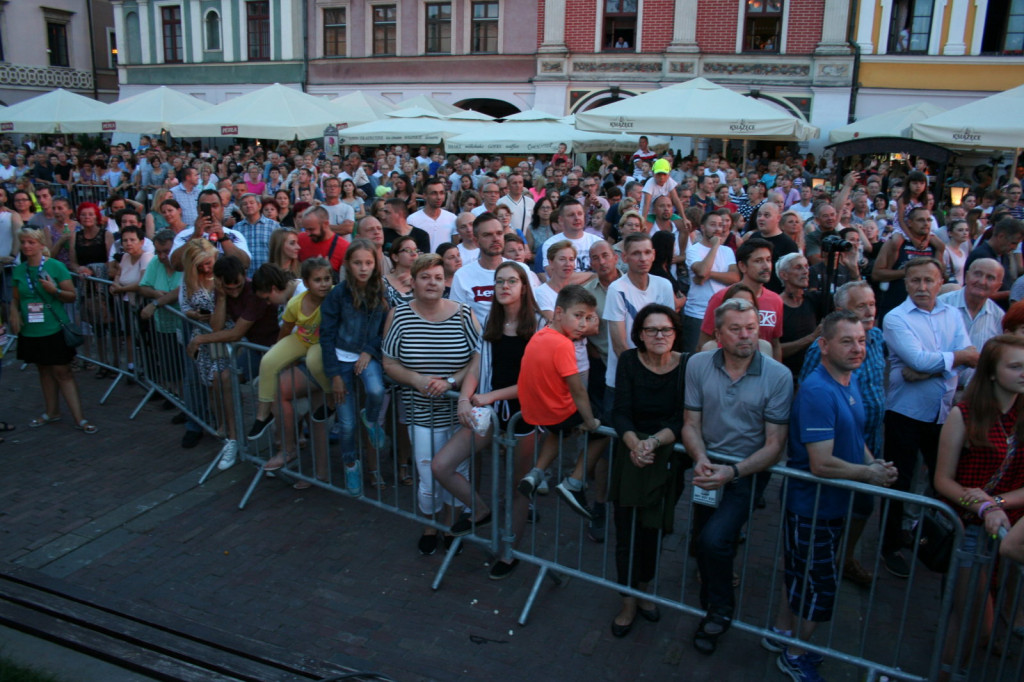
x,y
42,286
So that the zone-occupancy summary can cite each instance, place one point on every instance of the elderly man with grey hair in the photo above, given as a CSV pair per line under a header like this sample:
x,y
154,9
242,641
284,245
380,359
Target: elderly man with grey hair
x,y
982,316
256,228
859,298
801,312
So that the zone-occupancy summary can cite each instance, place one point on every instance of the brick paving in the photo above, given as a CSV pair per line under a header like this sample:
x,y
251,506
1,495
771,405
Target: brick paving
x,y
121,514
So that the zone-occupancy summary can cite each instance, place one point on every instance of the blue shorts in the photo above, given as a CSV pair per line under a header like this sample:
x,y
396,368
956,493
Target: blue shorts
x,y
811,547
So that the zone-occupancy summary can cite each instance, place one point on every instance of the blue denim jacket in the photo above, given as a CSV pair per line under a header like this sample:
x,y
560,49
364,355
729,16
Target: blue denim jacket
x,y
343,326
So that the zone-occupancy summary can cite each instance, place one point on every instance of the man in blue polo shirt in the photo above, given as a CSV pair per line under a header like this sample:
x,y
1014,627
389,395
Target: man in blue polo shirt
x,y
826,438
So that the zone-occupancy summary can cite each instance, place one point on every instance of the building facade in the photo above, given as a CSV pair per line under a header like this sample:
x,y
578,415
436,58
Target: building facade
x,y
824,61
68,44
946,52
212,49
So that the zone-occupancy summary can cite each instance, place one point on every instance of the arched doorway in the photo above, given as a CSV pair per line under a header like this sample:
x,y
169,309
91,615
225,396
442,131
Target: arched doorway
x,y
492,107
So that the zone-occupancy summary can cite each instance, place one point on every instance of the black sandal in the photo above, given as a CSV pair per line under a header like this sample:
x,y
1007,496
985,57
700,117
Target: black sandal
x,y
706,642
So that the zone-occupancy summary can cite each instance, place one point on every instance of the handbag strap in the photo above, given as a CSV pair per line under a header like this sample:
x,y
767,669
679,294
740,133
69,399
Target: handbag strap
x,y
1011,452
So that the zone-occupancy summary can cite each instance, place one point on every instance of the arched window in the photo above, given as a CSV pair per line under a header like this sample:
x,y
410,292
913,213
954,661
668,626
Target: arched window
x,y
134,56
212,29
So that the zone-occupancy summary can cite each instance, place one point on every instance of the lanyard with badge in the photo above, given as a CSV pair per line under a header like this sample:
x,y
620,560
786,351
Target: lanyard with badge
x,y
36,313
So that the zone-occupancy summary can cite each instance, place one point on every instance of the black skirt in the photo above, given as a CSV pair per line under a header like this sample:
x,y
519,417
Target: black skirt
x,y
45,350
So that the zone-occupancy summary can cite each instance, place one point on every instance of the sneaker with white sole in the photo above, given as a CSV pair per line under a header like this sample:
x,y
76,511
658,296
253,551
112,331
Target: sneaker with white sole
x,y
799,669
354,479
577,499
228,455
542,487
528,484
378,438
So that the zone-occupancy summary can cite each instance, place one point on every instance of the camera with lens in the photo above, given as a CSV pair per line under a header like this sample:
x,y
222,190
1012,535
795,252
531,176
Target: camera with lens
x,y
835,244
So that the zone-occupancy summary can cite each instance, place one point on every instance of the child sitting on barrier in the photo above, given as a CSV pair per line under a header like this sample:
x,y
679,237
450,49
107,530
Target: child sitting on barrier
x,y
351,333
552,394
301,314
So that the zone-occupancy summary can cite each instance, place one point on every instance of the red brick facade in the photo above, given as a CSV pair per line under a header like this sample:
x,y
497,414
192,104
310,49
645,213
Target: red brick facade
x,y
805,17
656,31
717,24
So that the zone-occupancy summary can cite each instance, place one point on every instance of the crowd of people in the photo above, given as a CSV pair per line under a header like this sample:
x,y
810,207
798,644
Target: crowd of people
x,y
738,309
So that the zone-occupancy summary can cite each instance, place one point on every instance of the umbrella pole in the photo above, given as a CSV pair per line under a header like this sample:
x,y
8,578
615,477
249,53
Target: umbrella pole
x,y
743,162
1016,158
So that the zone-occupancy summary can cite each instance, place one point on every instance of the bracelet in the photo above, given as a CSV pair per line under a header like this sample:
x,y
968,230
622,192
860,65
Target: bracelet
x,y
999,501
463,400
735,472
657,441
983,508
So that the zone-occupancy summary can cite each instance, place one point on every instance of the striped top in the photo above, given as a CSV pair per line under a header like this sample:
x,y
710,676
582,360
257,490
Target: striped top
x,y
434,349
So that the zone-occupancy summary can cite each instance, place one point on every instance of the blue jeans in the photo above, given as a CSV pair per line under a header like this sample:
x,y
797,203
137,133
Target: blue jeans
x,y
715,531
373,396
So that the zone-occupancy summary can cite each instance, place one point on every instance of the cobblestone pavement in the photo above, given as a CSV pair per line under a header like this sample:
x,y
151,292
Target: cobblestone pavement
x,y
120,514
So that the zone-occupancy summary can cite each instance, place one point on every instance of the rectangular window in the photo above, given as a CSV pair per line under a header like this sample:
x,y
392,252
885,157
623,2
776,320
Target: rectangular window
x,y
911,26
111,48
1004,28
335,32
57,43
762,27
385,29
257,16
439,28
484,29
170,17
619,25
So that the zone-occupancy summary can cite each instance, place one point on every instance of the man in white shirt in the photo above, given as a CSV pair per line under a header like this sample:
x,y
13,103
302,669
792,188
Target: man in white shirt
x,y
712,268
983,318
343,216
519,202
627,295
572,219
473,284
432,218
490,193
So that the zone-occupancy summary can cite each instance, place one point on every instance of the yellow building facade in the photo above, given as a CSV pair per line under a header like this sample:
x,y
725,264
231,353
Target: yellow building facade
x,y
946,52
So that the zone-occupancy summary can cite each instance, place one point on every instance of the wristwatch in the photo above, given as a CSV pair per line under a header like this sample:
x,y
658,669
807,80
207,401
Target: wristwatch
x,y
451,382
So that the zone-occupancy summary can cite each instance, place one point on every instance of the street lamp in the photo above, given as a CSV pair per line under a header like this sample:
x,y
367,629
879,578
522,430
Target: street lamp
x,y
957,192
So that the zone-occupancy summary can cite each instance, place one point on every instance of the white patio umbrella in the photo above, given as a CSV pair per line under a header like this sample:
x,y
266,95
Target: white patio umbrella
x,y
49,112
429,103
276,112
697,108
995,122
415,126
895,123
148,112
531,133
358,107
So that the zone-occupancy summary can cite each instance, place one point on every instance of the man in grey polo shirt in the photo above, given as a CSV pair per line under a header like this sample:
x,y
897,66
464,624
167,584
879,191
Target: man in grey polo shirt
x,y
737,403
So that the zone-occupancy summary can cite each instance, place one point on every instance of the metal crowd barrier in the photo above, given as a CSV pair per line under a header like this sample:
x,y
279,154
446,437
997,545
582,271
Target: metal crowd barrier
x,y
317,461
894,628
912,613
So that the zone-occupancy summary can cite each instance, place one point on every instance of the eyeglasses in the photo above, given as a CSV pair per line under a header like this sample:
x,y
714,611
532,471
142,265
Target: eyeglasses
x,y
658,331
411,252
510,282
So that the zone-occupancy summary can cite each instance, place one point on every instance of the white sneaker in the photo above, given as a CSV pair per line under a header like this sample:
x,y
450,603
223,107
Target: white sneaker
x,y
543,488
228,455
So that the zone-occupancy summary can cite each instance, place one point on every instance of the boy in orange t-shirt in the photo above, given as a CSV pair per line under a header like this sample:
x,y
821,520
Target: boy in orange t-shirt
x,y
552,393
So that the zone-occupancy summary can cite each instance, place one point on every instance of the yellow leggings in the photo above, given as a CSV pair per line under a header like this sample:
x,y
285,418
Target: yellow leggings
x,y
283,353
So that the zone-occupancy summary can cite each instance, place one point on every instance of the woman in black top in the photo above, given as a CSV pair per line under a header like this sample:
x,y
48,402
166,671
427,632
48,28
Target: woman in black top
x,y
492,381
647,475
